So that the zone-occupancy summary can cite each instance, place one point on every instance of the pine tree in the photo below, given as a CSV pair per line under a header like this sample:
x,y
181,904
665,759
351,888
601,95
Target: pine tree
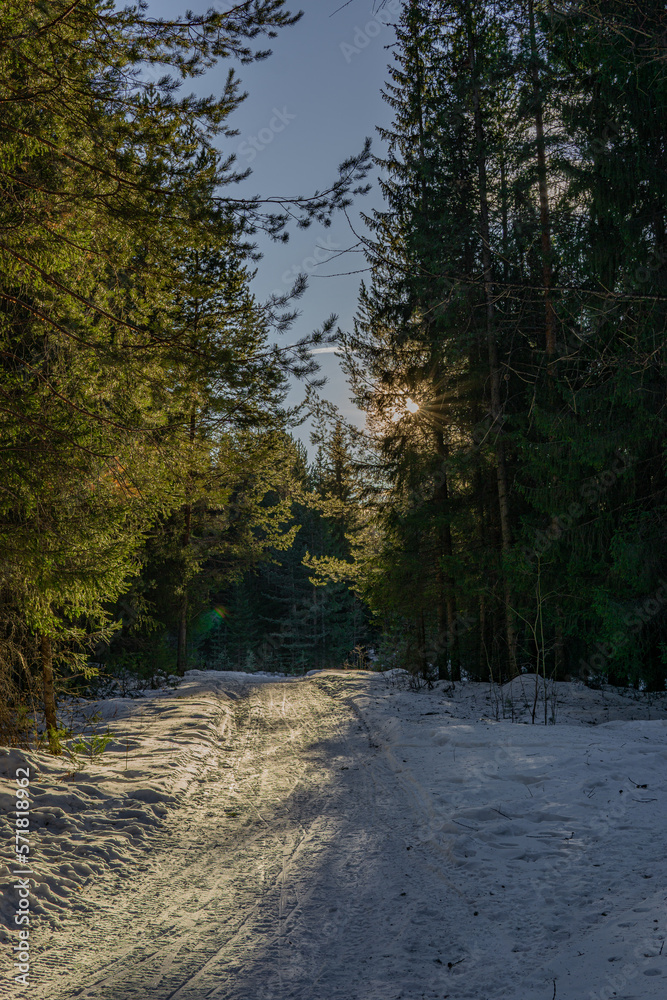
x,y
107,182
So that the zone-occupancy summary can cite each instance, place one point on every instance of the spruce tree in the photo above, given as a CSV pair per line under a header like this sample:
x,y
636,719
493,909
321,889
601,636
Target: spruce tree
x,y
108,180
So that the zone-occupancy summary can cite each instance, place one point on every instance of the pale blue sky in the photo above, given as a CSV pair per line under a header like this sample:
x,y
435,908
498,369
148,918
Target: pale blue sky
x,y
309,106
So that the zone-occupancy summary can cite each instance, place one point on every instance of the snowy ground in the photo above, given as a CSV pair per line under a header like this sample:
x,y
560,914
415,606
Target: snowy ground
x,y
340,837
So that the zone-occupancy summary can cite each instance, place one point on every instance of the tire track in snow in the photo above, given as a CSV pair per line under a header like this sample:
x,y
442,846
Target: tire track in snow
x,y
261,856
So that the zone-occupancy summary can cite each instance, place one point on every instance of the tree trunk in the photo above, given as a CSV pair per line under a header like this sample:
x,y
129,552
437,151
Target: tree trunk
x,y
559,646
46,649
494,368
504,214
448,654
182,645
448,643
483,654
453,638
545,222
422,645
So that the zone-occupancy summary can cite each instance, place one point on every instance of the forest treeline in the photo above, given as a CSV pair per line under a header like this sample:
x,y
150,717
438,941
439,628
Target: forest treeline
x,y
509,350
504,508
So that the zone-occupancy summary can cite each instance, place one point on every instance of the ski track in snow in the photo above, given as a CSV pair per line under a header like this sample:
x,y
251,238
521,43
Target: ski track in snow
x,y
338,837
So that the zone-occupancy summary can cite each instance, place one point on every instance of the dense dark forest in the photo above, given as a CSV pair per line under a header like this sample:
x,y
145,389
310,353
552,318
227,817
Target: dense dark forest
x,y
504,508
509,349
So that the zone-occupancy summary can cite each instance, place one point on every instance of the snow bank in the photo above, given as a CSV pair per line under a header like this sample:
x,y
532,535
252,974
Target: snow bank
x,y
554,834
83,821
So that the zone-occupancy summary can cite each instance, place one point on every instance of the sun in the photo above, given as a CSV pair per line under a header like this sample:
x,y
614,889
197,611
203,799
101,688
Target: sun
x,y
406,406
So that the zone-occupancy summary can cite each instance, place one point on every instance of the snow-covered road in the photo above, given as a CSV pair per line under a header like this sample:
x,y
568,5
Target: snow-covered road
x,y
347,839
288,873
